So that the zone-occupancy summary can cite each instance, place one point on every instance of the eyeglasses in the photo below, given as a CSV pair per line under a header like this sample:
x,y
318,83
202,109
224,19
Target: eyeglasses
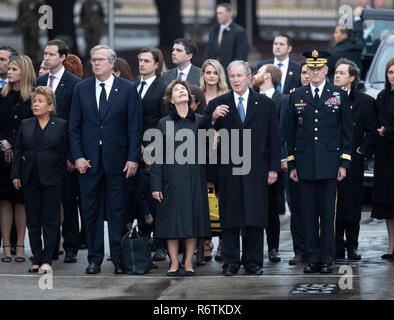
x,y
99,60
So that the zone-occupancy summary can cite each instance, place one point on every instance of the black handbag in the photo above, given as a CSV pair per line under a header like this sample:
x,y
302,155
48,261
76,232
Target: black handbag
x,y
136,253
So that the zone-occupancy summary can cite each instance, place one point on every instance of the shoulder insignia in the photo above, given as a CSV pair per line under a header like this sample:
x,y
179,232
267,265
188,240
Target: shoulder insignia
x,y
292,90
344,89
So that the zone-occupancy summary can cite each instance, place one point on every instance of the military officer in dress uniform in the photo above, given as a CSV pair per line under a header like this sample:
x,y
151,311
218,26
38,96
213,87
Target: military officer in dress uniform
x,y
319,145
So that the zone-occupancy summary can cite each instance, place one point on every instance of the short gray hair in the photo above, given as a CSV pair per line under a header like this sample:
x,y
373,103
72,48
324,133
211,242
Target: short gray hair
x,y
111,53
236,63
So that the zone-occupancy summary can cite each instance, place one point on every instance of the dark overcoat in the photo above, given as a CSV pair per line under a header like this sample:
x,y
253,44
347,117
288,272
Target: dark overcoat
x,y
383,190
243,198
184,211
350,189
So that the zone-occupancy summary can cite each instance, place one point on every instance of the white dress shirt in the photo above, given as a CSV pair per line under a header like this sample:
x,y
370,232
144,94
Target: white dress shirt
x,y
146,86
58,75
108,86
321,87
283,69
184,71
269,93
245,100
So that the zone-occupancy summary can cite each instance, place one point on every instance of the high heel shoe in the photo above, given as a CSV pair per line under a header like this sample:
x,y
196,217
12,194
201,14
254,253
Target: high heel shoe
x,y
6,258
33,270
20,259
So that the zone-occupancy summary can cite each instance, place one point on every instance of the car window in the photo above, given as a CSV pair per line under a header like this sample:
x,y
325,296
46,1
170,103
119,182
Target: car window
x,y
374,32
377,74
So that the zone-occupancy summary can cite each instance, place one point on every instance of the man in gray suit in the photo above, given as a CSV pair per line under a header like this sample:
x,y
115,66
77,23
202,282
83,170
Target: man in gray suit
x,y
183,52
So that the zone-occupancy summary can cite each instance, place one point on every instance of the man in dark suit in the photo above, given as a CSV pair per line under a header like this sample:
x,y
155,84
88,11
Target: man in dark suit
x,y
350,190
62,83
105,139
228,41
183,52
349,44
290,69
254,117
151,89
265,81
319,143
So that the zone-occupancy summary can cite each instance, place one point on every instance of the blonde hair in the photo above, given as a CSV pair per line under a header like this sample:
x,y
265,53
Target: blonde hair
x,y
222,84
49,95
28,77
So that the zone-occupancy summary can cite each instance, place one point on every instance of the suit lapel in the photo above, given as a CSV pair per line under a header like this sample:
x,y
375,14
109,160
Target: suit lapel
x,y
151,88
253,106
30,130
50,127
308,95
112,95
233,111
62,84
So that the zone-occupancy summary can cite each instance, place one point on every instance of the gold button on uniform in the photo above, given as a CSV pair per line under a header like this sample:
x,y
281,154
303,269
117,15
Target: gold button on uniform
x,y
316,111
316,138
315,129
316,120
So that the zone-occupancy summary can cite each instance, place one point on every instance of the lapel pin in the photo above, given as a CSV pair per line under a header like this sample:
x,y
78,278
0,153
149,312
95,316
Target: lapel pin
x,y
290,73
62,84
116,89
52,123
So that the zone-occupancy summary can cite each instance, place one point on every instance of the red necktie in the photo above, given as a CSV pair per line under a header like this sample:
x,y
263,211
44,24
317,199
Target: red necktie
x,y
51,81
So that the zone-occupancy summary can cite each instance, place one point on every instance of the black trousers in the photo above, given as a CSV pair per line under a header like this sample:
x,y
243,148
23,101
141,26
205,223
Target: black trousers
x,y
318,213
296,225
352,230
99,190
252,244
42,212
273,224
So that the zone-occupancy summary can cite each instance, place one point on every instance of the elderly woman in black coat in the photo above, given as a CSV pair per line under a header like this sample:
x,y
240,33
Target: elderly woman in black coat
x,y
383,189
180,188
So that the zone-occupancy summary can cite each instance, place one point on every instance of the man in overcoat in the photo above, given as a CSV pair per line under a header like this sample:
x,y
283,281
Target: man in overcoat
x,y
243,201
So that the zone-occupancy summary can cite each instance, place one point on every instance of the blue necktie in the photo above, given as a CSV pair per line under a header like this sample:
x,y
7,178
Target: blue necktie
x,y
241,109
279,87
180,75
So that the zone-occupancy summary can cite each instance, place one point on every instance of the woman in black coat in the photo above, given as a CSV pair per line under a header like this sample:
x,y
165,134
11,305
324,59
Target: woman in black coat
x,y
39,166
15,105
383,188
180,189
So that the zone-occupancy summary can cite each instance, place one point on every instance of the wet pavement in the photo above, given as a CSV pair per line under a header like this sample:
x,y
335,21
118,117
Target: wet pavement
x,y
371,278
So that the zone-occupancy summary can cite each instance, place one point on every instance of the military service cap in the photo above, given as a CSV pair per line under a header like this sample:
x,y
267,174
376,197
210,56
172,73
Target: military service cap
x,y
316,58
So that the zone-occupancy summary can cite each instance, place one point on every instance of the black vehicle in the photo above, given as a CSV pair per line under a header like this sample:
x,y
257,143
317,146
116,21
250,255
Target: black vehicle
x,y
374,80
377,24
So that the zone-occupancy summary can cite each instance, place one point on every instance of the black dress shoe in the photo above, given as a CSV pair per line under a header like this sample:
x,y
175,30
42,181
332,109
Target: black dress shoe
x,y
230,270
353,255
326,268
190,273
118,270
274,255
172,273
388,256
296,260
254,269
70,258
312,268
340,255
93,268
